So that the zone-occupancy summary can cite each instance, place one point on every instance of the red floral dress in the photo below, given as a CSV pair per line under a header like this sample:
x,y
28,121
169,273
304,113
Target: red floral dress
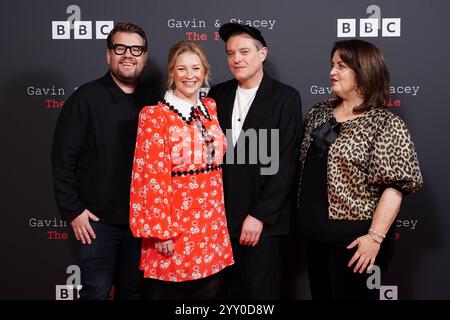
x,y
177,193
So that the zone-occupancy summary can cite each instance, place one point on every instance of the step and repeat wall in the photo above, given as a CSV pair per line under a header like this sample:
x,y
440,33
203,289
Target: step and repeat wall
x,y
49,48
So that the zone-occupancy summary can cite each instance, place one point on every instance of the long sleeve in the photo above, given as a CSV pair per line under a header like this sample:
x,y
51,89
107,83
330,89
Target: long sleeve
x,y
150,193
394,160
279,186
70,136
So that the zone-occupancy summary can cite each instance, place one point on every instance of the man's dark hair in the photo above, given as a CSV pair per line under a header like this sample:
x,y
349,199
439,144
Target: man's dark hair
x,y
126,27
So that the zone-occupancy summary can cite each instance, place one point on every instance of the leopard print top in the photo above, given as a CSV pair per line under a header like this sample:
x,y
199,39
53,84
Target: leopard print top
x,y
372,152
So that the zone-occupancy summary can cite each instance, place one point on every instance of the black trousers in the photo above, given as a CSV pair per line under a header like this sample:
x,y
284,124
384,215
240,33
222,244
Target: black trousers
x,y
257,272
113,255
331,279
202,289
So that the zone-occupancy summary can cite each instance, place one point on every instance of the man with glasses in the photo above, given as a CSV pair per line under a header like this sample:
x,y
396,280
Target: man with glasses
x,y
92,158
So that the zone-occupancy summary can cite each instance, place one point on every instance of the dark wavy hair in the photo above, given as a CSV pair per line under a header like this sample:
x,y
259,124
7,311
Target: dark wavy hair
x,y
371,72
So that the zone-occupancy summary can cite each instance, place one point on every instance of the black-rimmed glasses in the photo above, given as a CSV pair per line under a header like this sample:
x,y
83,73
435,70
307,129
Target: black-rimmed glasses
x,y
120,49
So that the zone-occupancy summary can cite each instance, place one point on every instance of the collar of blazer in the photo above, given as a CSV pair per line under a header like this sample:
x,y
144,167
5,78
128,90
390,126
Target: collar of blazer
x,y
259,109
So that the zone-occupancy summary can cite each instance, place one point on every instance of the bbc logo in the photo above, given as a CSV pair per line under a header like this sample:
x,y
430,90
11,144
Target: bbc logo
x,y
388,293
81,29
67,292
390,27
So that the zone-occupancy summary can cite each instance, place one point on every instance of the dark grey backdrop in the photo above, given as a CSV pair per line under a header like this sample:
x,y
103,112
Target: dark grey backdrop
x,y
299,44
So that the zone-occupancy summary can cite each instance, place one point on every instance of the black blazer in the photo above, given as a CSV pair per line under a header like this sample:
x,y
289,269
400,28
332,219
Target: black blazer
x,y
269,198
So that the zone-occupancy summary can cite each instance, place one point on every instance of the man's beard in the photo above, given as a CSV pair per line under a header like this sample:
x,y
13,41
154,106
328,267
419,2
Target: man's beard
x,y
128,79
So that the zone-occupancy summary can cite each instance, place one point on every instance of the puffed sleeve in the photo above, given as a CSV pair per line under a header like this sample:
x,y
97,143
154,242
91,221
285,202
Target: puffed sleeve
x,y
150,193
394,160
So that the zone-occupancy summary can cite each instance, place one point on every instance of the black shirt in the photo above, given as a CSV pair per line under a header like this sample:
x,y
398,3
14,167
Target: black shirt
x,y
93,149
313,215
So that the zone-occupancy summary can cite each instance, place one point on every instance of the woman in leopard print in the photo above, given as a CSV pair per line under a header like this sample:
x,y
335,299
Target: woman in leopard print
x,y
357,162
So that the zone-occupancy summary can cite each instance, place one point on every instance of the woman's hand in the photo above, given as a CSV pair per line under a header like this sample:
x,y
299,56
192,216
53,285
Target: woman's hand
x,y
365,254
164,247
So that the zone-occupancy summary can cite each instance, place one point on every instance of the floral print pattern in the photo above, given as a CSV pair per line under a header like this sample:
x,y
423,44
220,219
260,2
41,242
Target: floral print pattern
x,y
177,193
